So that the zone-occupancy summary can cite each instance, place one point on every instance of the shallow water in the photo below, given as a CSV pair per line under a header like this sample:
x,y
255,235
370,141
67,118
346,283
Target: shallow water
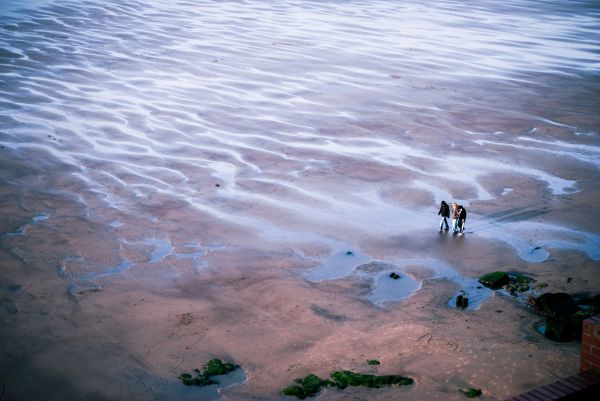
x,y
146,136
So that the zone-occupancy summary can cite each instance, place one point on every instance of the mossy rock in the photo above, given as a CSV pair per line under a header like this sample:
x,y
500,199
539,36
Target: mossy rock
x,y
345,378
373,362
307,386
471,392
494,280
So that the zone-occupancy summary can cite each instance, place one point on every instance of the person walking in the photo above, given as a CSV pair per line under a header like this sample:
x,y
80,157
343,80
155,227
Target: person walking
x,y
462,218
445,213
455,214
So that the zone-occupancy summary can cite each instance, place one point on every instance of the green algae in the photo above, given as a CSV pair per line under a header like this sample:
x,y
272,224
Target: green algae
x,y
373,362
214,367
471,392
311,384
307,386
518,283
345,378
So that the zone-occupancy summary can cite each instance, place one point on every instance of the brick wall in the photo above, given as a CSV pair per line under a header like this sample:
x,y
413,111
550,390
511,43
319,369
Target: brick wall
x,y
590,345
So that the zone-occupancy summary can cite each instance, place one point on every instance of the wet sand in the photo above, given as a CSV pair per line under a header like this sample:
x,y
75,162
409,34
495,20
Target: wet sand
x,y
181,182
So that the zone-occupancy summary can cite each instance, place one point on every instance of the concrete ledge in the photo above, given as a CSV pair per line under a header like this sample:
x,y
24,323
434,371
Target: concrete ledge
x,y
582,386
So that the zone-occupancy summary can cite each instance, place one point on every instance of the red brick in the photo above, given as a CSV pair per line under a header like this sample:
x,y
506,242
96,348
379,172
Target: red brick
x,y
592,359
591,341
595,351
584,365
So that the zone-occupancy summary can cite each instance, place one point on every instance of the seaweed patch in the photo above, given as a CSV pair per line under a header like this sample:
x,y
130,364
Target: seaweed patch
x,y
214,367
311,384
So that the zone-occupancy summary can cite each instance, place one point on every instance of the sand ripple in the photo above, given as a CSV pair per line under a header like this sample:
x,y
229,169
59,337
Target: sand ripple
x,y
293,117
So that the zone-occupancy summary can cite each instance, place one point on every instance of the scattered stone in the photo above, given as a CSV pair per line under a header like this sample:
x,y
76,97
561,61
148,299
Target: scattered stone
x,y
317,310
462,302
518,283
9,306
494,280
471,392
16,288
74,290
186,319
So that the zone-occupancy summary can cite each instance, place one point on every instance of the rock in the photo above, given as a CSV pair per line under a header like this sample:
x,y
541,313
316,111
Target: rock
x,y
462,302
186,319
551,304
494,280
562,322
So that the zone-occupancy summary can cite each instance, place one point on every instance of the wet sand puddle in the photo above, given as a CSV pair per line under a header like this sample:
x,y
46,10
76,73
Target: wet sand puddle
x,y
178,142
385,289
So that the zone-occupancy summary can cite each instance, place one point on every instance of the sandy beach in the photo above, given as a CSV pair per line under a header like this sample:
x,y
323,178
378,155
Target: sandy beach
x,y
182,181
